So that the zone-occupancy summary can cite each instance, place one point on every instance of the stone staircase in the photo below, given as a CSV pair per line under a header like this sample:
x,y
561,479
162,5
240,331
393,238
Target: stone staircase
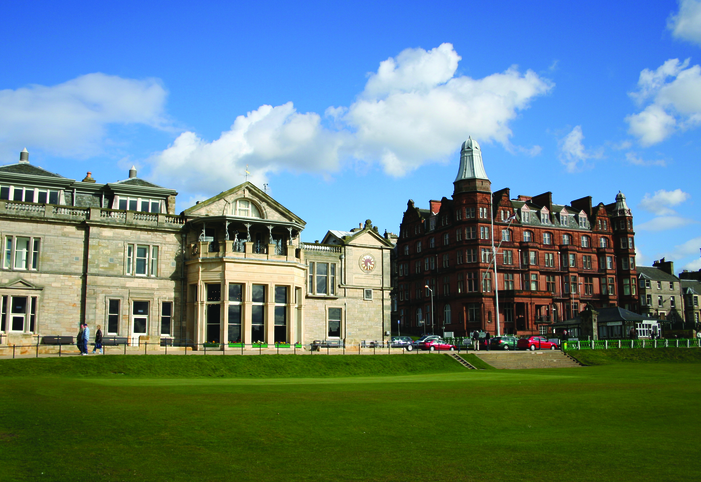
x,y
462,361
513,360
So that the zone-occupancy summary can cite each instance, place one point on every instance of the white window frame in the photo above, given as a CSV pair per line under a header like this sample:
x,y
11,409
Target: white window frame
x,y
314,278
150,260
124,203
35,193
29,261
29,318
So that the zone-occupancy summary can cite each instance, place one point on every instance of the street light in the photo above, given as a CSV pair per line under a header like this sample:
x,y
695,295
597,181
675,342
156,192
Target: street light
x,y
429,289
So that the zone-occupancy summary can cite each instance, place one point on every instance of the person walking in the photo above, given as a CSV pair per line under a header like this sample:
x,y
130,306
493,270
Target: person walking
x,y
98,340
86,338
79,338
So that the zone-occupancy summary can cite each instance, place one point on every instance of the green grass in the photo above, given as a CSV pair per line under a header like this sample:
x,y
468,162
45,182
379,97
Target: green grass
x,y
477,362
637,355
234,366
63,419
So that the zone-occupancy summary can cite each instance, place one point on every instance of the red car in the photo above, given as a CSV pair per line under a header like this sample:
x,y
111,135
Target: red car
x,y
436,344
536,343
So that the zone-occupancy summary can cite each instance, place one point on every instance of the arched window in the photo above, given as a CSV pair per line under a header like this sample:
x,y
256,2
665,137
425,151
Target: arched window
x,y
419,316
245,209
446,315
527,236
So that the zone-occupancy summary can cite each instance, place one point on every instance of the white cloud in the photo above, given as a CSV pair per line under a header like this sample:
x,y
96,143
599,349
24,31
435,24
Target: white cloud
x,y
406,117
664,223
414,70
686,24
661,202
651,81
651,126
694,265
632,158
266,140
689,248
413,110
572,152
673,96
71,119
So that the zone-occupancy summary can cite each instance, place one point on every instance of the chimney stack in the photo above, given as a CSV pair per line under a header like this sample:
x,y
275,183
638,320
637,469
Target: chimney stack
x,y
24,156
132,172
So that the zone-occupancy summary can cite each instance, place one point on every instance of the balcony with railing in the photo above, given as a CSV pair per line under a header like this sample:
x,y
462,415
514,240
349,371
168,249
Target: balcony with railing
x,y
208,248
93,215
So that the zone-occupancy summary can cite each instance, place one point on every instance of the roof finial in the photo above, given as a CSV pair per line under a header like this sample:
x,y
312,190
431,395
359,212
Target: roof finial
x,y
132,172
24,156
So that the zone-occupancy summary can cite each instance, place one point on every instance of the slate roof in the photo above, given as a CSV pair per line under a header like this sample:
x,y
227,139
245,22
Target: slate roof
x,y
340,234
691,284
26,168
614,313
617,313
135,181
655,274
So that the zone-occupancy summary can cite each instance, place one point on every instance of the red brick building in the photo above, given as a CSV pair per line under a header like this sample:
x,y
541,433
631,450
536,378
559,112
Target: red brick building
x,y
552,259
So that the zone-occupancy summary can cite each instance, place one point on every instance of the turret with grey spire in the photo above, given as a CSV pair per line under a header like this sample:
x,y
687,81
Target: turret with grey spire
x,y
471,174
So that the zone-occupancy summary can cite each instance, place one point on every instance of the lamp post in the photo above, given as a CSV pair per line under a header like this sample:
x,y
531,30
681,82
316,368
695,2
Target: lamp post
x,y
429,289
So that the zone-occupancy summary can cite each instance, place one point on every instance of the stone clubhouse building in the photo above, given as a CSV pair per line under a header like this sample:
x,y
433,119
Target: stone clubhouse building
x,y
231,269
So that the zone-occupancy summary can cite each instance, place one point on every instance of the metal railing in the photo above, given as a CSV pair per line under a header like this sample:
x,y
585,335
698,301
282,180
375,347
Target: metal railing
x,y
169,347
622,344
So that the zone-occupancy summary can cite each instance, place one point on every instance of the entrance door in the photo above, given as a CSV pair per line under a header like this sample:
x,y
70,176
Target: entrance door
x,y
139,321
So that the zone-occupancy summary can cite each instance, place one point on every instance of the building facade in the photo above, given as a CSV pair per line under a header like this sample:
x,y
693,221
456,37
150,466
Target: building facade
x,y
232,268
661,293
551,259
691,291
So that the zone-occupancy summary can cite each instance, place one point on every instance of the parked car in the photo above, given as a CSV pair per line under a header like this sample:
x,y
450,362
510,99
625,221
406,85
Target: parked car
x,y
416,343
437,344
537,343
503,343
400,341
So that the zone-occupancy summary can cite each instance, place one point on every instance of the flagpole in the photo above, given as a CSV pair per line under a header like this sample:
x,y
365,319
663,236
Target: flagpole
x,y
494,260
495,251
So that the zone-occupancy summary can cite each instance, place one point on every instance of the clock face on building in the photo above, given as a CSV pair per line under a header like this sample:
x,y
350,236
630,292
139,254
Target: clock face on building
x,y
367,263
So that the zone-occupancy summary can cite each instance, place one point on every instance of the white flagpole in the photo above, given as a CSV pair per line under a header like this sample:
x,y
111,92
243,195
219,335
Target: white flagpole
x,y
494,260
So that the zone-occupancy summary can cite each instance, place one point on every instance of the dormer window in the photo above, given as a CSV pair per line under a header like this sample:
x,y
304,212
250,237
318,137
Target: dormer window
x,y
545,216
143,205
582,221
29,194
245,209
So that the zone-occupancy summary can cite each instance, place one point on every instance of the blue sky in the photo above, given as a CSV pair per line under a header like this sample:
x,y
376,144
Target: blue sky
x,y
346,110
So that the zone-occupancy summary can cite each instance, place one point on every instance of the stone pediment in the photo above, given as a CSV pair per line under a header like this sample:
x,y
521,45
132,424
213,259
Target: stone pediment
x,y
368,238
21,284
245,201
